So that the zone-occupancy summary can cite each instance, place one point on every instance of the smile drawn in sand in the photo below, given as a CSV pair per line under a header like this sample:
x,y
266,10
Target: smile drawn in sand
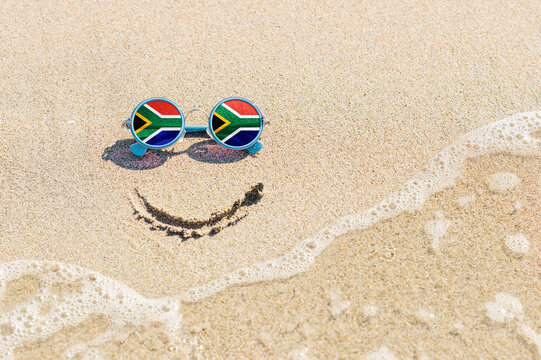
x,y
206,151
185,229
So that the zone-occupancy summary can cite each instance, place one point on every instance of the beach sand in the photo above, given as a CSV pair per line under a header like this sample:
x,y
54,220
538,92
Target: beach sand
x,y
389,286
389,289
360,96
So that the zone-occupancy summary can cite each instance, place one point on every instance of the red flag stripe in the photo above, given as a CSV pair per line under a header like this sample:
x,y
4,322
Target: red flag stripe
x,y
242,107
163,107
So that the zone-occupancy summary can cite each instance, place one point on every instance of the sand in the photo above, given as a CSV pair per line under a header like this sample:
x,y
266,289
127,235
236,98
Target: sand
x,y
359,96
429,302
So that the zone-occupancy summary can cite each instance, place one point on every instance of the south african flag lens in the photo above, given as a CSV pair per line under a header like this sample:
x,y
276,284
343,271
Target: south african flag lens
x,y
236,123
157,123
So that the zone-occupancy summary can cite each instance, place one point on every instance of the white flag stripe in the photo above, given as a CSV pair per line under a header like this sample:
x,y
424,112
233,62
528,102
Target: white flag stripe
x,y
157,132
160,115
239,130
239,115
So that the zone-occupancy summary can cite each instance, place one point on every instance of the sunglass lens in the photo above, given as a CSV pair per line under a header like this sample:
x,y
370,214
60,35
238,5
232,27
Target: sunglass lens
x,y
236,123
157,123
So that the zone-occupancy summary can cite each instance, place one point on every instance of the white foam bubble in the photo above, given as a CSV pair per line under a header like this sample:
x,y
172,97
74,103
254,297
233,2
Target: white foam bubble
x,y
299,354
517,243
512,135
425,315
465,200
503,181
66,296
370,310
382,354
337,302
436,229
531,335
505,308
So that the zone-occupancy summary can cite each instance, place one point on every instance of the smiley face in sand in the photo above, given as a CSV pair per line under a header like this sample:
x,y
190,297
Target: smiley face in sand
x,y
235,124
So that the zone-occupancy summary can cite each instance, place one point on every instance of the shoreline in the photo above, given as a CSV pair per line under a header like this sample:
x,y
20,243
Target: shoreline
x,y
181,319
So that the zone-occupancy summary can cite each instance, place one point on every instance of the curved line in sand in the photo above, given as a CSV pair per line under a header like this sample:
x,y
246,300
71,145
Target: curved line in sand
x,y
191,228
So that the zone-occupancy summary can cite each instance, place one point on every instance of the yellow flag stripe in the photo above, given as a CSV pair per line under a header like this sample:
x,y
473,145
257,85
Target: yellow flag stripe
x,y
226,122
147,121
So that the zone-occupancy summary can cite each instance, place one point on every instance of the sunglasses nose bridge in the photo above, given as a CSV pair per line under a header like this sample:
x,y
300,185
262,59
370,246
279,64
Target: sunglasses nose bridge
x,y
192,128
194,110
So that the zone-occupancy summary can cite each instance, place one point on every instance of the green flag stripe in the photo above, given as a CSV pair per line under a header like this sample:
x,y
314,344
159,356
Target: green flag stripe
x,y
224,112
157,123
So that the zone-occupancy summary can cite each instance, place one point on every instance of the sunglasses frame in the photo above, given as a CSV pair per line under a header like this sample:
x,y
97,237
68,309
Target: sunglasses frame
x,y
140,148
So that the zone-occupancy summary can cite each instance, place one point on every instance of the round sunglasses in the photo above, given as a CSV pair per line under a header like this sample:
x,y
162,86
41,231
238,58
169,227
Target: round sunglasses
x,y
235,123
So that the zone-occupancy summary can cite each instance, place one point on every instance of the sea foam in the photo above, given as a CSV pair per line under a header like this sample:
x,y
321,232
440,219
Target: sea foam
x,y
59,295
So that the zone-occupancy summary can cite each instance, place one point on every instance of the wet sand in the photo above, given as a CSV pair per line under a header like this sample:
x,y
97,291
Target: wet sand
x,y
387,286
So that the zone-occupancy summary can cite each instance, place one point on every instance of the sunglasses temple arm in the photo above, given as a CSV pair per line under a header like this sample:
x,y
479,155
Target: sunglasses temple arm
x,y
138,149
191,129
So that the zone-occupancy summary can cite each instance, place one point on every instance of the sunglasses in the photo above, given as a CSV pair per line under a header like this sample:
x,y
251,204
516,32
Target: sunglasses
x,y
235,123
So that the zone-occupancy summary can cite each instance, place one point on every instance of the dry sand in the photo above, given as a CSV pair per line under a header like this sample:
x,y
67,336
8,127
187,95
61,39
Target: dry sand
x,y
359,96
